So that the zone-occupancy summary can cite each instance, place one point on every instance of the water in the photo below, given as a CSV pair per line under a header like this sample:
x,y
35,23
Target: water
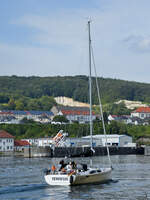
x,y
22,178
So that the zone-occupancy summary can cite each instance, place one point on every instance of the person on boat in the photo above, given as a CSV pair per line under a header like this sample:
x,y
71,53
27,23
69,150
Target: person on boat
x,y
69,166
62,165
74,166
53,168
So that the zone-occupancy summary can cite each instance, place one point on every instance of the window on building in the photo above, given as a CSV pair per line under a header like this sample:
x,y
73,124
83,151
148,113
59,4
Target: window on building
x,y
0,148
3,143
7,147
10,147
0,140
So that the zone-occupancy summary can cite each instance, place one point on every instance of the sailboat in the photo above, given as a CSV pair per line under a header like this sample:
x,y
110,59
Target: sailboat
x,y
82,175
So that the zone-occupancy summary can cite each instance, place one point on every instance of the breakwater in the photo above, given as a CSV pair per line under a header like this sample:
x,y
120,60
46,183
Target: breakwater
x,y
80,151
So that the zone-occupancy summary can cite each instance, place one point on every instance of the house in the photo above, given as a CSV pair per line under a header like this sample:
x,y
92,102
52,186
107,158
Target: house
x,y
121,118
39,116
6,141
141,112
6,117
79,114
47,141
21,145
15,116
113,140
31,141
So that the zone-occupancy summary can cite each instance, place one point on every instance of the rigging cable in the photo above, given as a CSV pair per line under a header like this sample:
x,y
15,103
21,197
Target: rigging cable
x,y
100,106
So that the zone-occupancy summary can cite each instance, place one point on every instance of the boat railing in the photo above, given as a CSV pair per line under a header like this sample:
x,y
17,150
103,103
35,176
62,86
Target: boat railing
x,y
70,172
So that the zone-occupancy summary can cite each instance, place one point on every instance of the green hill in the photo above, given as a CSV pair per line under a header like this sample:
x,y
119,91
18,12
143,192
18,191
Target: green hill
x,y
37,90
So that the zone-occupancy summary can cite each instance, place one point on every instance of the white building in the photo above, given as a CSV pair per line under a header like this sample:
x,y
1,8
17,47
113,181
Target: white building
x,y
113,140
32,141
45,142
79,114
82,142
39,141
6,141
141,112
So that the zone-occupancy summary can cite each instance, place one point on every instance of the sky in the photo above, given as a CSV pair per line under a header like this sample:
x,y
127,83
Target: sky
x,y
50,38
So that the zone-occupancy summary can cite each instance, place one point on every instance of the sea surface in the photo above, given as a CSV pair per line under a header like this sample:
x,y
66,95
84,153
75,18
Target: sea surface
x,y
23,178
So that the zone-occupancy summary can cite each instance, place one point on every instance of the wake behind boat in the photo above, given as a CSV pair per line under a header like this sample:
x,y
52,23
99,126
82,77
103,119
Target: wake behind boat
x,y
74,173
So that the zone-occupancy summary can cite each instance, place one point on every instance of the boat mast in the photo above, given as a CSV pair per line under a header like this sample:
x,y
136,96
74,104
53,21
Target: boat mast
x,y
90,85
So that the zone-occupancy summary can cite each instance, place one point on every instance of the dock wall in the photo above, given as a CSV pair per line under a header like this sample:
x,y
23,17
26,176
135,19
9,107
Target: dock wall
x,y
147,151
99,151
37,152
79,151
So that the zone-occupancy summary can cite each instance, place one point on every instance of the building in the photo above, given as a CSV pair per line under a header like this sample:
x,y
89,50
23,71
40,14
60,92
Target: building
x,y
79,114
6,141
82,142
45,141
113,140
15,116
120,118
39,141
39,116
6,117
21,145
141,112
32,141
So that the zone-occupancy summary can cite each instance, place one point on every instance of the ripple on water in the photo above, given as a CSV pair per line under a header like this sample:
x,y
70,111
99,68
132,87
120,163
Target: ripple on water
x,y
23,179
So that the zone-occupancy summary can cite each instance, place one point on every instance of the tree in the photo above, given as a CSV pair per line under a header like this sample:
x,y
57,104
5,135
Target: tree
x,y
19,105
60,118
11,104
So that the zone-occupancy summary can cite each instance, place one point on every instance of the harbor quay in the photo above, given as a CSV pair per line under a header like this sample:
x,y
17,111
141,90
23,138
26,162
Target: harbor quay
x,y
80,151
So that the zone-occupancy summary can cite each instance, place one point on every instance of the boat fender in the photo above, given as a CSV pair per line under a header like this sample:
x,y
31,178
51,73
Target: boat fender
x,y
71,179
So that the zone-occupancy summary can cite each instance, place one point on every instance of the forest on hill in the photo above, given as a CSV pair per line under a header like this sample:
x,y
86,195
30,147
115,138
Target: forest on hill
x,y
37,93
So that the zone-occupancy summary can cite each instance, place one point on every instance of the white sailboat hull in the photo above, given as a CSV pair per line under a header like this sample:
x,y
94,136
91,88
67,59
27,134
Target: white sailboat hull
x,y
89,176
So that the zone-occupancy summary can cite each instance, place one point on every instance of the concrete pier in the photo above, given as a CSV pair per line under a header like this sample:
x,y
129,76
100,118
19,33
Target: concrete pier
x,y
38,152
147,151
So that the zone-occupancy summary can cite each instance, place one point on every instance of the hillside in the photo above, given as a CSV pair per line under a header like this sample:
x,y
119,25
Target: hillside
x,y
76,87
66,101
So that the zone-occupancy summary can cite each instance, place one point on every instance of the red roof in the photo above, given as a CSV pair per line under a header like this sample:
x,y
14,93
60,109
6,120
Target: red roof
x,y
143,110
76,112
5,113
4,134
21,143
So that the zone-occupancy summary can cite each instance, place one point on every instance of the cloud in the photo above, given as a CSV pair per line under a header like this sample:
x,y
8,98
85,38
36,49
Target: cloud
x,y
138,43
37,61
61,32
53,41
